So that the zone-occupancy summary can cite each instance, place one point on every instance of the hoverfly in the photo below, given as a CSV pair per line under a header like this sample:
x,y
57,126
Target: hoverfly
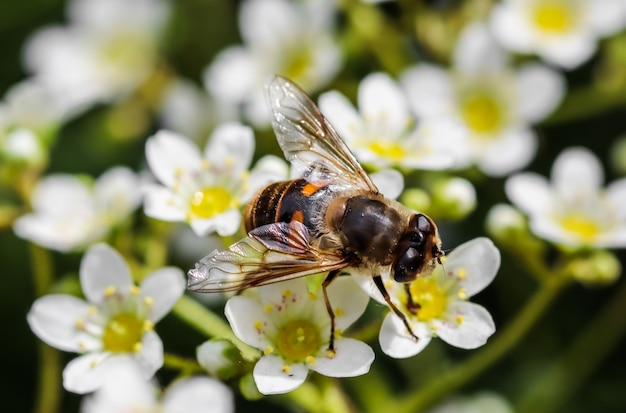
x,y
331,218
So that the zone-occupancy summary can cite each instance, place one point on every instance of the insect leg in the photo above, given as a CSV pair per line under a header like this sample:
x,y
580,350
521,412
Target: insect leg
x,y
329,278
411,305
381,287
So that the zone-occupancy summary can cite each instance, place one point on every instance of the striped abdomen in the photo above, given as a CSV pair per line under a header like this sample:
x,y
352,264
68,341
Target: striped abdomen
x,y
286,201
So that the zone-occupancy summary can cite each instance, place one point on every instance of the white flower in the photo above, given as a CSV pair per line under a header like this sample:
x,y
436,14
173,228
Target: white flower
x,y
187,109
495,103
115,324
292,39
563,32
126,390
573,209
70,214
29,117
107,50
292,327
207,190
440,302
386,134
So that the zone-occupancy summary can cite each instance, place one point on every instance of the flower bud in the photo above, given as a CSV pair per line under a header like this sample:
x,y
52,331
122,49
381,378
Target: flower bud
x,y
220,358
505,222
597,269
454,197
416,199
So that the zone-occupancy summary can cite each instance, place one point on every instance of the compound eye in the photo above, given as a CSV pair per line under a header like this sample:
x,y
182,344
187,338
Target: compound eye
x,y
423,224
408,265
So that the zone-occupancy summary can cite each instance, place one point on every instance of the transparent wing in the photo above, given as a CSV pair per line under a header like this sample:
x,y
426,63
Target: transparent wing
x,y
309,141
269,254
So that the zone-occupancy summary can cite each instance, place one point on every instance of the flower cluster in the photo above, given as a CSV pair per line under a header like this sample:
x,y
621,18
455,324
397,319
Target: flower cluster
x,y
139,141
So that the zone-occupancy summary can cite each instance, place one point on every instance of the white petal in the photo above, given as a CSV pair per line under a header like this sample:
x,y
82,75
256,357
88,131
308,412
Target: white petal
x,y
53,319
243,314
441,143
616,193
366,282
231,144
606,16
118,190
480,259
430,91
198,395
352,358
164,287
476,326
150,358
232,75
87,373
539,91
348,301
389,182
382,104
395,340
296,290
530,192
266,23
341,114
509,152
56,194
568,52
123,389
510,29
224,224
103,267
168,152
476,52
271,379
267,170
577,171
161,203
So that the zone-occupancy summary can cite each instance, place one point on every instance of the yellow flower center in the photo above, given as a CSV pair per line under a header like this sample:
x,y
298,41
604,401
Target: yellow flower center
x,y
553,16
297,63
481,112
123,333
581,225
298,339
430,298
210,202
390,150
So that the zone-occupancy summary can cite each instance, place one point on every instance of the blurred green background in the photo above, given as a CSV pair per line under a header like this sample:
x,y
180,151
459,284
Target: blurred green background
x,y
200,28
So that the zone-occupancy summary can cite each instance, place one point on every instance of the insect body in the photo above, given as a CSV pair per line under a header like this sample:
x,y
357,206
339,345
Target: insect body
x,y
331,218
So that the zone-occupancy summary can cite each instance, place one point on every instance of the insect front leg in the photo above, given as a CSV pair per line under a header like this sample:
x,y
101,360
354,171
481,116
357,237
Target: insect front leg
x,y
329,278
381,287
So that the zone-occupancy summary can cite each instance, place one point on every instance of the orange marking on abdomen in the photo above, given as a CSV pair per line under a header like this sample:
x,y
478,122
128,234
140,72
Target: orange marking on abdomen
x,y
309,189
298,216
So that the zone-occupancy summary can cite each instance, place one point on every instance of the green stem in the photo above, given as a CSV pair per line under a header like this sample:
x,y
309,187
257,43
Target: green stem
x,y
460,375
203,320
48,397
567,374
185,365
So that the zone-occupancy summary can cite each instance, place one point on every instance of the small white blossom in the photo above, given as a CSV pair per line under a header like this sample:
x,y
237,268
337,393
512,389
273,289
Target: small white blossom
x,y
70,214
126,390
292,39
384,133
115,323
106,51
440,302
495,103
573,209
207,190
292,327
562,32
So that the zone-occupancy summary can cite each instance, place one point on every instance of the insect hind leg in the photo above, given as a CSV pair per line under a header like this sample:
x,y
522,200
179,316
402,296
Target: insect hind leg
x,y
329,278
381,287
